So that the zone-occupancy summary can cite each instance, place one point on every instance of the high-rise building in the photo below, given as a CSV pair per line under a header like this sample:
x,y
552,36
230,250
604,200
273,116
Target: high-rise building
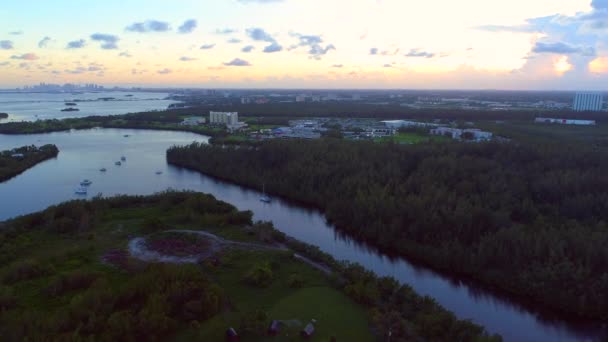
x,y
227,118
588,101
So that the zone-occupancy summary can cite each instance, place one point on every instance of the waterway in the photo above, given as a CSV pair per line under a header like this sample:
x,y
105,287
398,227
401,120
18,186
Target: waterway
x,y
43,106
83,153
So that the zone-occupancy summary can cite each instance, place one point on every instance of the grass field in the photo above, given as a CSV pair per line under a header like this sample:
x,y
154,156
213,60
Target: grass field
x,y
411,138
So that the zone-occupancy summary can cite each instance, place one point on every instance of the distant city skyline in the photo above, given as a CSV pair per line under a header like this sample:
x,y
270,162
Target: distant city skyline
x,y
364,44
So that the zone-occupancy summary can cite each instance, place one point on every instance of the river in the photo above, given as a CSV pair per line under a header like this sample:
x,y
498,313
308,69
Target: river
x,y
83,153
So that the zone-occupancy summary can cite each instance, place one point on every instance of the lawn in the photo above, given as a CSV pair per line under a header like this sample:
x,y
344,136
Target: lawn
x,y
336,315
411,138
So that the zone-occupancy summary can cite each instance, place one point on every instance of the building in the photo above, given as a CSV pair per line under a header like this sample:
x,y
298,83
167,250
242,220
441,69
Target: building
x,y
565,121
193,121
300,98
588,101
396,124
308,331
224,118
460,134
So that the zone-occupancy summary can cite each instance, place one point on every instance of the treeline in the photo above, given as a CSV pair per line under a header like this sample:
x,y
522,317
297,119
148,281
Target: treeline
x,y
528,219
16,161
388,111
157,120
53,286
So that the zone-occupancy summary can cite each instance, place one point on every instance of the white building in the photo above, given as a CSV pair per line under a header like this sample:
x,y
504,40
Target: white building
x,y
457,133
224,118
588,101
565,121
193,121
301,98
396,124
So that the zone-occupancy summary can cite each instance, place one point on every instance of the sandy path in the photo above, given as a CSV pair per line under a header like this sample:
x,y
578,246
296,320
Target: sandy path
x,y
138,250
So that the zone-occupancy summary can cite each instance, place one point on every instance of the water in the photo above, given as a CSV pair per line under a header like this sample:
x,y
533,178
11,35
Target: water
x,y
33,106
83,153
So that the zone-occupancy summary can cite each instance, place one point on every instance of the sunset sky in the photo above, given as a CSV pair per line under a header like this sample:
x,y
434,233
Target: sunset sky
x,y
472,44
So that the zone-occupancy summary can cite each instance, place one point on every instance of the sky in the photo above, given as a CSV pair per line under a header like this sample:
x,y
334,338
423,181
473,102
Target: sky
x,y
365,44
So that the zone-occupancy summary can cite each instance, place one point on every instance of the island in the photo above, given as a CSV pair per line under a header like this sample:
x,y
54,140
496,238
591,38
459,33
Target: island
x,y
15,161
185,266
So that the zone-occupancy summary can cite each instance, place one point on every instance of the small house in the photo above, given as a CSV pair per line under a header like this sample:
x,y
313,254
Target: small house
x,y
231,335
274,328
18,155
308,331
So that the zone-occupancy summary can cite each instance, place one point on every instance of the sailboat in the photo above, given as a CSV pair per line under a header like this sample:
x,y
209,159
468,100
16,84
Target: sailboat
x,y
264,198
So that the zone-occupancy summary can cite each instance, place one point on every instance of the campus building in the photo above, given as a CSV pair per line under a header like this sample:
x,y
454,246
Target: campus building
x,y
588,101
226,118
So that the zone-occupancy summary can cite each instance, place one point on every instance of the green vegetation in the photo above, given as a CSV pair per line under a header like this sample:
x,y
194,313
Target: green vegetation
x,y
526,218
165,120
66,275
531,132
412,136
18,160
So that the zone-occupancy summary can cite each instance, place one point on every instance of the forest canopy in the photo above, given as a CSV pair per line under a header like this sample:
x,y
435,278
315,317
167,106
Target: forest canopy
x,y
529,219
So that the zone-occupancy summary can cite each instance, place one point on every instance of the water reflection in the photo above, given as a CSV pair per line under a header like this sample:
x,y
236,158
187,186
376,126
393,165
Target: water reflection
x,y
84,152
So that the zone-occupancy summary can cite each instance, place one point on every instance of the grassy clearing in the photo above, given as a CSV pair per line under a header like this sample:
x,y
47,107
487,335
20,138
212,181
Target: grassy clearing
x,y
411,138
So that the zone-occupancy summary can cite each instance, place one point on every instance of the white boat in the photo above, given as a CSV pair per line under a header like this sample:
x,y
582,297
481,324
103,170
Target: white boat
x,y
118,163
86,182
103,169
264,198
81,191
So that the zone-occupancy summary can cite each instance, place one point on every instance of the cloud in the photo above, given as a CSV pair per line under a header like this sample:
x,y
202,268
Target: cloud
x,y
225,31
259,34
419,53
15,33
149,26
237,62
6,45
76,71
187,59
313,42
248,48
44,42
274,47
388,65
234,41
337,66
108,40
76,44
316,51
527,28
207,46
164,71
125,54
373,51
26,56
562,48
188,26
